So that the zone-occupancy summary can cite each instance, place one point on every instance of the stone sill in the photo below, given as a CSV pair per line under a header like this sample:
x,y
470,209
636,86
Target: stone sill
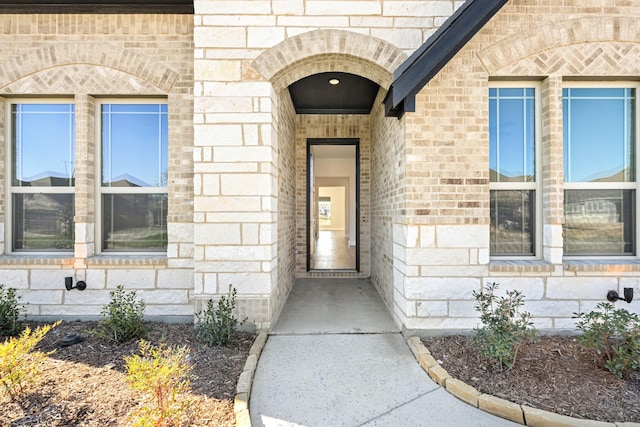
x,y
521,266
602,265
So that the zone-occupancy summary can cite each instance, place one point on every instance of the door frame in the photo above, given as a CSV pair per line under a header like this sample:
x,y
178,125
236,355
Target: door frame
x,y
331,141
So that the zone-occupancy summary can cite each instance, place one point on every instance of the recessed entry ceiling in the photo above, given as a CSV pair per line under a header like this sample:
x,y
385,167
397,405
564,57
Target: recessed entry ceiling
x,y
333,93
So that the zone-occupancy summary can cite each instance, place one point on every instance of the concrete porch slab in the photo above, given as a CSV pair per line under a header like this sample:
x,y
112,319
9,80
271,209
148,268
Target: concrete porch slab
x,y
333,306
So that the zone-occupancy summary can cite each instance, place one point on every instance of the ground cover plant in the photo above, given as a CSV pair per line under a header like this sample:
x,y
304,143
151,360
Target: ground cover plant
x,y
86,384
11,312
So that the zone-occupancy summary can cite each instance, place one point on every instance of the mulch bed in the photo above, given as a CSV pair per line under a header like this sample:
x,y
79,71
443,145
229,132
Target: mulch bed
x,y
554,374
85,384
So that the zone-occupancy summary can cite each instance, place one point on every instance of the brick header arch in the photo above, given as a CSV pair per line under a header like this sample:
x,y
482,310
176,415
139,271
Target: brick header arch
x,y
329,50
104,55
604,45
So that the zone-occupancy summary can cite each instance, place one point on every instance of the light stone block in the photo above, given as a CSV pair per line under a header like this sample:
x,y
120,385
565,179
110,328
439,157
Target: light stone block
x,y
226,204
227,266
288,7
264,37
88,296
180,232
239,7
224,104
579,288
211,184
83,232
17,279
418,8
218,234
400,233
245,185
399,252
247,283
242,20
462,236
406,306
552,235
250,89
431,288
349,8
96,278
402,38
164,296
131,279
210,285
432,309
49,279
234,253
41,296
457,271
175,279
220,70
243,154
551,308
426,256
250,234
463,309
412,236
217,135
531,287
212,37
427,236
440,323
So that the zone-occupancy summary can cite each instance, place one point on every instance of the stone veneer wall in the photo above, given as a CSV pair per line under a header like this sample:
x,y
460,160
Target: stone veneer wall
x,y
246,54
446,240
82,58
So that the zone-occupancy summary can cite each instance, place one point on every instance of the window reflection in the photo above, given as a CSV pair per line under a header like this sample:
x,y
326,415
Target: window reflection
x,y
512,230
43,221
134,221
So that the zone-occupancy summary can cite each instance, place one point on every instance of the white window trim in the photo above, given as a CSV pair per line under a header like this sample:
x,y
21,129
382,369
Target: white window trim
x,y
610,185
100,190
537,185
10,189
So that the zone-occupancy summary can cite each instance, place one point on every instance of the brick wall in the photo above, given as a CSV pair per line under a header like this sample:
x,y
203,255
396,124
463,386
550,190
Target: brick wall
x,y
447,235
84,57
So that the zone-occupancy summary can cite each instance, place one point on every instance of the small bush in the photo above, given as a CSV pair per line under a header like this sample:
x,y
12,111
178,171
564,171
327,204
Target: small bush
x,y
216,324
504,329
123,318
162,374
10,312
614,335
19,363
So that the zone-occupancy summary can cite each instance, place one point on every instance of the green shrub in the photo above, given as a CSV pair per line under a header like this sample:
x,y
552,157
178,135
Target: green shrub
x,y
216,324
10,312
123,318
162,375
19,363
614,335
504,329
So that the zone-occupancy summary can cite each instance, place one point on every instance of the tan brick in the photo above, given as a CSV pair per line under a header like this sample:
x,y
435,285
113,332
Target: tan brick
x,y
538,418
463,391
439,374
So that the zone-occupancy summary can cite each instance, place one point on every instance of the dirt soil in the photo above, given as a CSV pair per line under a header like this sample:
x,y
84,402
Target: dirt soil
x,y
555,374
85,384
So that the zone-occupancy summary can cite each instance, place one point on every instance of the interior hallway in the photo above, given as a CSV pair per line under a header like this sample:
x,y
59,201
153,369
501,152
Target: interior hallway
x,y
333,252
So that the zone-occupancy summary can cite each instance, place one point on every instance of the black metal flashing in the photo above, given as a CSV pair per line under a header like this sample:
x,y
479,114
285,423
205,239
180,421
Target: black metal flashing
x,y
436,52
97,6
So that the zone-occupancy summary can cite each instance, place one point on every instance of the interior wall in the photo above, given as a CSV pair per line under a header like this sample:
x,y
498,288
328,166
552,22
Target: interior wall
x,y
330,168
337,210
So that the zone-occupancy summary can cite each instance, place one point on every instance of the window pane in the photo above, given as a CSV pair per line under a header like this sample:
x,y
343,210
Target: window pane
x,y
42,145
134,222
599,135
512,222
134,145
43,222
599,222
512,134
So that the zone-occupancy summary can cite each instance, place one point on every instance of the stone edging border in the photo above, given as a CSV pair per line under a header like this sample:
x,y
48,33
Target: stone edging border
x,y
520,414
243,388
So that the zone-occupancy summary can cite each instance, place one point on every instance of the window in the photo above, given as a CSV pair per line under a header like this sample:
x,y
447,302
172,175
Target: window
x,y
512,174
133,181
599,170
41,183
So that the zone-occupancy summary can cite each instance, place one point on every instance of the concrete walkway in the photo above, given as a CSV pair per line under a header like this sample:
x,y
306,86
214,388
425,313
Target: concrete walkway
x,y
335,358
